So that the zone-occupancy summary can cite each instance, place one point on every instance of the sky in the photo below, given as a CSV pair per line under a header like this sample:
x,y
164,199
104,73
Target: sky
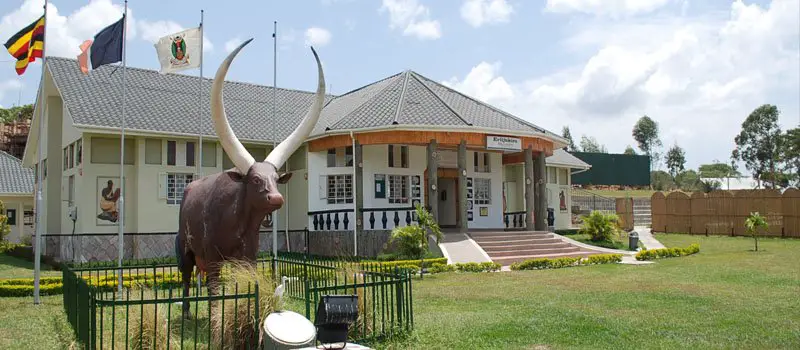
x,y
698,68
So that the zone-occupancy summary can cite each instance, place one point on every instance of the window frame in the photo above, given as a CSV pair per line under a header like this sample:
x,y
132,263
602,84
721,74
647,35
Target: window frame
x,y
479,185
174,191
392,188
342,190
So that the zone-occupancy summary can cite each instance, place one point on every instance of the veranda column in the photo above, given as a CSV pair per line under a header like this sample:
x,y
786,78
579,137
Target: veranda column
x,y
433,180
529,181
541,193
359,184
462,186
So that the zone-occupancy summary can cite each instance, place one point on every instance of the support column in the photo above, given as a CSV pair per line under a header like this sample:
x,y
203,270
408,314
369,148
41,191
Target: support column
x,y
541,193
529,181
462,186
433,180
358,182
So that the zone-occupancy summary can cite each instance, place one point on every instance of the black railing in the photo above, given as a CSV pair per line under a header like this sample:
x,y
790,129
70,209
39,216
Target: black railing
x,y
515,219
380,218
334,219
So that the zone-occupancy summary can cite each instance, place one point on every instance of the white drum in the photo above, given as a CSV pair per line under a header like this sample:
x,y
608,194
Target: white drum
x,y
288,330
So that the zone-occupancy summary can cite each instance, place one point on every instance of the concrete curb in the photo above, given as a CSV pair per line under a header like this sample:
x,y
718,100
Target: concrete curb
x,y
595,248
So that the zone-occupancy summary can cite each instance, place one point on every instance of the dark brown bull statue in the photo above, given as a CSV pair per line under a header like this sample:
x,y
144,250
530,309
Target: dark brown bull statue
x,y
221,213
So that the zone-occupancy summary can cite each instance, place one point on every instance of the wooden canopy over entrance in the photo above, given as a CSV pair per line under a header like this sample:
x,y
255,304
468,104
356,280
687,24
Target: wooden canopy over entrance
x,y
474,140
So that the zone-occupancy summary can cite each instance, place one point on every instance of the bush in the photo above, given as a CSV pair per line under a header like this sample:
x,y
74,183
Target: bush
x,y
600,227
412,240
439,268
417,263
478,267
602,259
651,254
557,263
567,231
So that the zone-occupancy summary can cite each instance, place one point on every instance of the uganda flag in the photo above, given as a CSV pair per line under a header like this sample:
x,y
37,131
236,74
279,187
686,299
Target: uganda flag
x,y
27,44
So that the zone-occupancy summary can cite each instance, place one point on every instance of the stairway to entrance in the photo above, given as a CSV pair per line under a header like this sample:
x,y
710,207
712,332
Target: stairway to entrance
x,y
508,247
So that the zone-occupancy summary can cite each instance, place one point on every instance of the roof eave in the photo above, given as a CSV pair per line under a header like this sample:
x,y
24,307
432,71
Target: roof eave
x,y
466,129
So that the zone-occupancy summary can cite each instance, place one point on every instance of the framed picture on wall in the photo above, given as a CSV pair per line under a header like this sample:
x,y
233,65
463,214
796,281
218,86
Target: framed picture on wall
x,y
469,216
108,193
415,202
469,193
469,205
484,211
415,180
469,182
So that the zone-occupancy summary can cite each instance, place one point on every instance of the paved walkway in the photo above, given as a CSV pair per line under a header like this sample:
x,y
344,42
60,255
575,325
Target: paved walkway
x,y
459,248
647,238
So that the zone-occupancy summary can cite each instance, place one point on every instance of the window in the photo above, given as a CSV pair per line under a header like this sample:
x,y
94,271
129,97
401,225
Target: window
x,y
71,190
209,154
340,157
71,155
189,153
105,150
482,162
398,189
79,152
152,151
65,162
551,175
176,183
398,156
563,175
171,153
340,189
483,191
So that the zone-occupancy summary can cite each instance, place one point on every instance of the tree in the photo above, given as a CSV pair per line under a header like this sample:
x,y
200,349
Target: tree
x,y
689,181
758,144
5,229
629,150
413,239
717,170
676,160
16,113
567,135
645,132
590,144
661,180
753,223
790,154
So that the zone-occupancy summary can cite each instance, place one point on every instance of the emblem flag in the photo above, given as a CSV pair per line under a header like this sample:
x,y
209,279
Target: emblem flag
x,y
179,51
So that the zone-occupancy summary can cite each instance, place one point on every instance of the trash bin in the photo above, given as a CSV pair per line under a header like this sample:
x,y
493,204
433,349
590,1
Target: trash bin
x,y
288,330
633,240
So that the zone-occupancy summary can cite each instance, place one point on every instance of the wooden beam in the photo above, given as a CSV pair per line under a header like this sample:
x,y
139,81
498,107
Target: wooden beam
x,y
444,139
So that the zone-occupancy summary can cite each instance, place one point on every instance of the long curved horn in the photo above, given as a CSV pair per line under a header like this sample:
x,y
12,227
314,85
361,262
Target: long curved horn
x,y
230,143
281,153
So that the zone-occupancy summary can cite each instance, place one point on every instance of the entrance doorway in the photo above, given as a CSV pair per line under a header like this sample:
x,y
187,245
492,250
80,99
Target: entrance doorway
x,y
447,202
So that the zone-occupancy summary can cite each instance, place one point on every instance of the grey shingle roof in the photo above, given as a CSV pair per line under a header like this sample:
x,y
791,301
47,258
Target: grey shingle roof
x,y
13,177
169,102
408,98
561,157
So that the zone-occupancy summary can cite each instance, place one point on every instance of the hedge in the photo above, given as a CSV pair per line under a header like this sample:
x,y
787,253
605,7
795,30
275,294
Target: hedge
x,y
556,263
398,263
23,287
650,254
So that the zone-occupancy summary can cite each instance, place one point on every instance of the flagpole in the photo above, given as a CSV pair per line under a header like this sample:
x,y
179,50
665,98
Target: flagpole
x,y
200,102
122,153
274,86
40,174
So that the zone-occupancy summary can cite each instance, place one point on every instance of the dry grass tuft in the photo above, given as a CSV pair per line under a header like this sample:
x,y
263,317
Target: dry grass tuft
x,y
153,331
233,322
364,324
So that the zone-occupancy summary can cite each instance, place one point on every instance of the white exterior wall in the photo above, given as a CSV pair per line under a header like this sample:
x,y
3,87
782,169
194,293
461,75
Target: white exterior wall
x,y
18,204
561,182
494,219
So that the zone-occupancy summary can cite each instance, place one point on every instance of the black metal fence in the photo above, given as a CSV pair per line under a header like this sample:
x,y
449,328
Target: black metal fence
x,y
147,310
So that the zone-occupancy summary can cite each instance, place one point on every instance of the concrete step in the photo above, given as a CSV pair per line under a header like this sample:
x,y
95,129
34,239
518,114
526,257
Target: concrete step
x,y
526,252
501,237
507,233
520,240
508,246
508,260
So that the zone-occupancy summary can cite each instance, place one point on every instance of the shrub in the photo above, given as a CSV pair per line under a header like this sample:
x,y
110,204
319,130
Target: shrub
x,y
602,259
439,268
412,240
418,263
567,231
600,227
651,254
477,267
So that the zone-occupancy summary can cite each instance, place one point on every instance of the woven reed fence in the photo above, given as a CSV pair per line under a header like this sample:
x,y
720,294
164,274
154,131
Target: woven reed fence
x,y
724,212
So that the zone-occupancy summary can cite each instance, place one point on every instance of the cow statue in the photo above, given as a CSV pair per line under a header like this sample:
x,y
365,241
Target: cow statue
x,y
221,213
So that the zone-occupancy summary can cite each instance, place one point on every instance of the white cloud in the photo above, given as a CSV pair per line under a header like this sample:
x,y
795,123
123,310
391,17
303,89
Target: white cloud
x,y
483,83
316,36
412,18
231,44
65,33
698,79
611,8
10,86
480,12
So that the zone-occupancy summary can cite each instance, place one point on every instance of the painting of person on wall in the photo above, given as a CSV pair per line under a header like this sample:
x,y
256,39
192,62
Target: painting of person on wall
x,y
108,202
562,201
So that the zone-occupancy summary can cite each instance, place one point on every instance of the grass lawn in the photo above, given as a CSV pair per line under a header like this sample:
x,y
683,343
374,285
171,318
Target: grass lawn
x,y
724,297
619,242
727,296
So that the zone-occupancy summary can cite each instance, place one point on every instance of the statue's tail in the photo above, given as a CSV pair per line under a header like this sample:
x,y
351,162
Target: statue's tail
x,y
178,252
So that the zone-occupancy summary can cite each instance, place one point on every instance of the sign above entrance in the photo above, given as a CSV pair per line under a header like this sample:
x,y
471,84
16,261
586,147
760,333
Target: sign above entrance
x,y
503,143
